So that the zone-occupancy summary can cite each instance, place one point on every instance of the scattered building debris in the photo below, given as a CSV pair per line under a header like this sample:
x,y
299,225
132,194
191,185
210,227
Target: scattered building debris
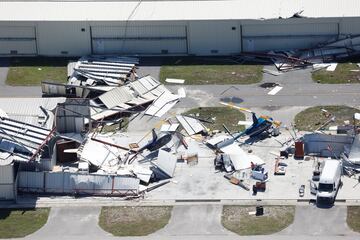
x,y
271,72
98,70
62,149
176,81
166,162
191,125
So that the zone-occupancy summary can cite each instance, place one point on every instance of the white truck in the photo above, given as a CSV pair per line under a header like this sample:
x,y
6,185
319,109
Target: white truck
x,y
330,181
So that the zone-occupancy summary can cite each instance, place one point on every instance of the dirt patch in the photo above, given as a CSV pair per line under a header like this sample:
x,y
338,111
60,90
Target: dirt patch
x,y
133,221
275,219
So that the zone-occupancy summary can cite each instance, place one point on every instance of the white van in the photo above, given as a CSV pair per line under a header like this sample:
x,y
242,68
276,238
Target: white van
x,y
329,183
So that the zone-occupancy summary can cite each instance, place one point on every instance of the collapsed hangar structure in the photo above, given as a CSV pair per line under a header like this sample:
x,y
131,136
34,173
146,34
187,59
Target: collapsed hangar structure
x,y
150,27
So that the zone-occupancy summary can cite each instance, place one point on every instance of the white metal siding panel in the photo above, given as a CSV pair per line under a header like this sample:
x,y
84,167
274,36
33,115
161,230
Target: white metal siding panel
x,y
285,29
7,174
138,31
31,181
263,37
350,26
150,39
54,182
126,183
214,37
22,47
102,184
17,40
63,38
112,46
7,192
17,32
283,43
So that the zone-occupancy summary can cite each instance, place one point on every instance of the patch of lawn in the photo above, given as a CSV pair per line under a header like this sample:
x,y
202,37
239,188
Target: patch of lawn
x,y
275,219
312,118
353,218
31,71
219,115
16,223
116,127
133,221
342,74
210,71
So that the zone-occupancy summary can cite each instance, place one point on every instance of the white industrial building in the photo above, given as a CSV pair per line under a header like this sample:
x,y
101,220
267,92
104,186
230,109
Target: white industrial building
x,y
77,28
171,27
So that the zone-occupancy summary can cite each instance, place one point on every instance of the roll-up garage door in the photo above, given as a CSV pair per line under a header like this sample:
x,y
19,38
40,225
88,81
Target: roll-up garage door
x,y
17,40
139,39
264,37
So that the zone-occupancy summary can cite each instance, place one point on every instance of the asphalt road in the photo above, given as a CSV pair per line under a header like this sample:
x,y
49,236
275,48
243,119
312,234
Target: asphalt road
x,y
298,90
297,94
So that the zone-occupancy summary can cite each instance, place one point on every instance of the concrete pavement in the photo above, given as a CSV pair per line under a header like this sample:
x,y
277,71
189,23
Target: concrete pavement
x,y
71,223
196,222
315,221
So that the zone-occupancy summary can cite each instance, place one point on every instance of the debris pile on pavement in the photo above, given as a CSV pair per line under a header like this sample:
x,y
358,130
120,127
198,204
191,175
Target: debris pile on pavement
x,y
97,70
322,56
69,149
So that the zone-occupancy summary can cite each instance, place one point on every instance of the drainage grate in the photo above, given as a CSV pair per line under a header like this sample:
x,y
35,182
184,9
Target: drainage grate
x,y
198,200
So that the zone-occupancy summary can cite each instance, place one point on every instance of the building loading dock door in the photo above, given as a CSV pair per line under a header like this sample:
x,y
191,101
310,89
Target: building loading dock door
x,y
17,40
142,40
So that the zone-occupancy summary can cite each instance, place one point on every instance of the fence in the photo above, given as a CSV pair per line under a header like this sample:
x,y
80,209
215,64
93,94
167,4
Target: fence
x,y
77,183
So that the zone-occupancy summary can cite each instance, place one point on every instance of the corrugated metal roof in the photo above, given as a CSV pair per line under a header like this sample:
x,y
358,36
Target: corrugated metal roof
x,y
162,104
116,97
25,135
174,10
28,109
166,162
191,125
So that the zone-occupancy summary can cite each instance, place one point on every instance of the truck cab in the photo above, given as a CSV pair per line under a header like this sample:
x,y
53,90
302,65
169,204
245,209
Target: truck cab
x,y
329,183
